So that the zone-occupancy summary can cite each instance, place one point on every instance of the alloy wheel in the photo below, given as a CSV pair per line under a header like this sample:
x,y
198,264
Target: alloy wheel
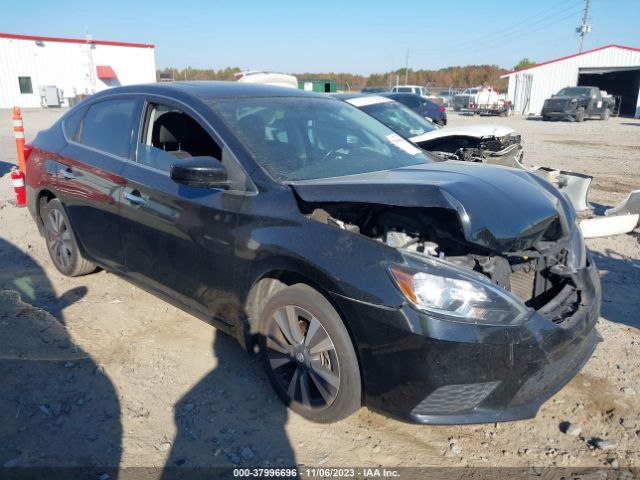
x,y
59,239
303,358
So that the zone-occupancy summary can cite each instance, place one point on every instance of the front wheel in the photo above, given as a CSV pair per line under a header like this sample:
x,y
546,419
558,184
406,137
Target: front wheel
x,y
309,356
580,115
62,243
605,115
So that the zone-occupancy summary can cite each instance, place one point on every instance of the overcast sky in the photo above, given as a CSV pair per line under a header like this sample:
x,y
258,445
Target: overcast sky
x,y
340,36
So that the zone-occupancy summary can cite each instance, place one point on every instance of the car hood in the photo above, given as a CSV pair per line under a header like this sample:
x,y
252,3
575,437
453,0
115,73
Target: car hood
x,y
475,131
501,209
565,98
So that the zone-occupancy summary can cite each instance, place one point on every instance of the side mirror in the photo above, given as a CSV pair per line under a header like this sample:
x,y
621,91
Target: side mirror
x,y
201,172
594,96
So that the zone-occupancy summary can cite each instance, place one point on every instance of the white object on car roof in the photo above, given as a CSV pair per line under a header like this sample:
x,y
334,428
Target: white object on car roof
x,y
268,78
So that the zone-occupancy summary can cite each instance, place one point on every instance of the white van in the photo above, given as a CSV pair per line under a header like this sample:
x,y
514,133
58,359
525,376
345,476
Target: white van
x,y
417,89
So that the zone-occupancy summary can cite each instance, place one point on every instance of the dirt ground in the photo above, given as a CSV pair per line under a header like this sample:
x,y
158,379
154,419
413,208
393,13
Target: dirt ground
x,y
96,372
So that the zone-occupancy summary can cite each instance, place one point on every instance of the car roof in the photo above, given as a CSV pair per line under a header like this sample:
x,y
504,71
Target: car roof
x,y
207,90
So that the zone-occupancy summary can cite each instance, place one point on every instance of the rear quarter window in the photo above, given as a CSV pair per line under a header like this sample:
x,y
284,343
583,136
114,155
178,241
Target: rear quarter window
x,y
72,122
107,126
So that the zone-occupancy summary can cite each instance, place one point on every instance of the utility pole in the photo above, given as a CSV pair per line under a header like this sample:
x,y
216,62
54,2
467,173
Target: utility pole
x,y
585,28
406,68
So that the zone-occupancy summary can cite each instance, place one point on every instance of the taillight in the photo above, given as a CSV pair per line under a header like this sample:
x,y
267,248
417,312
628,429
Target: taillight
x,y
27,149
441,109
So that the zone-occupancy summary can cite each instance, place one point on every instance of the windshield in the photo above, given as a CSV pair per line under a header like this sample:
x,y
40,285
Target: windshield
x,y
298,138
399,118
575,91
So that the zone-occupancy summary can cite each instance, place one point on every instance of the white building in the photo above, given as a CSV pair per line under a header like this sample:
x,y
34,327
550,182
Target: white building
x,y
47,71
613,68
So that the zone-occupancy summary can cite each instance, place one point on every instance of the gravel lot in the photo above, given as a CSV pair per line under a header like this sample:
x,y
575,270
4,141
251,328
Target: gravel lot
x,y
96,372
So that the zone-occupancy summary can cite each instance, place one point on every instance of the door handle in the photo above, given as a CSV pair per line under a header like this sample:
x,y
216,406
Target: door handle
x,y
135,198
68,174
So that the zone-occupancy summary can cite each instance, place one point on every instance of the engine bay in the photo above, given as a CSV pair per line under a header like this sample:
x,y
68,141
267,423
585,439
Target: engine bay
x,y
535,276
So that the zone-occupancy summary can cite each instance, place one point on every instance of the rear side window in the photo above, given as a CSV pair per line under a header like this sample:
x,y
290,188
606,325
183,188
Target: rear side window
x,y
72,122
107,126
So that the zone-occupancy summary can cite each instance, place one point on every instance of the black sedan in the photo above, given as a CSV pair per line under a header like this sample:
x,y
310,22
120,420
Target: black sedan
x,y
361,270
422,106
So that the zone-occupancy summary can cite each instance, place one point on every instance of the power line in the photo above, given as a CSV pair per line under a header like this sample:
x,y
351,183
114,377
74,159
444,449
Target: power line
x,y
498,36
498,41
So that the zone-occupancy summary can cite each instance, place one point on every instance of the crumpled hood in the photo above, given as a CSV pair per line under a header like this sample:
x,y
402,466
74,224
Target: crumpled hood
x,y
475,131
502,209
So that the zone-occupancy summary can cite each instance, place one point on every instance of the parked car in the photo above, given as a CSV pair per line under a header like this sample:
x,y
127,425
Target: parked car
x,y
415,89
493,144
465,98
447,96
578,103
422,106
363,270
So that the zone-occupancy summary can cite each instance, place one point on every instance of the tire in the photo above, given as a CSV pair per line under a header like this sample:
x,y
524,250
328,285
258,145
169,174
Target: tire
x,y
580,115
545,118
605,115
62,243
322,385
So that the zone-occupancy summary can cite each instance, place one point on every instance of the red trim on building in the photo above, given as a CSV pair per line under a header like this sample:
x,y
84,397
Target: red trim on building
x,y
569,56
74,40
105,72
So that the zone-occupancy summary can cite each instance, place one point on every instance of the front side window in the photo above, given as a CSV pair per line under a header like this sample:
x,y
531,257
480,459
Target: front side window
x,y
399,118
300,138
25,85
169,134
107,126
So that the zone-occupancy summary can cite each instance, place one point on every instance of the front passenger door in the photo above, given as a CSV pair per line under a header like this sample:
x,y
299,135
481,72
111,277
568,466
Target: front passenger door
x,y
179,240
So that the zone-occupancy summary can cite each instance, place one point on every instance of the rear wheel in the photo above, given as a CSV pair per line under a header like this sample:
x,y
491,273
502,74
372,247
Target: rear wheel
x,y
605,114
62,243
545,118
308,355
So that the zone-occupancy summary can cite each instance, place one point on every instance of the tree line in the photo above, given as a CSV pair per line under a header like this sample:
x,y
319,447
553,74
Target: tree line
x,y
456,77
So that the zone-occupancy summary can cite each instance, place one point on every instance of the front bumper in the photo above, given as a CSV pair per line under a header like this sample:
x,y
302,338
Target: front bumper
x,y
566,114
422,369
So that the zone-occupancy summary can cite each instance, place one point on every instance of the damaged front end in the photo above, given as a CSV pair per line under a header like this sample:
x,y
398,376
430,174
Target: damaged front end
x,y
542,276
505,150
499,295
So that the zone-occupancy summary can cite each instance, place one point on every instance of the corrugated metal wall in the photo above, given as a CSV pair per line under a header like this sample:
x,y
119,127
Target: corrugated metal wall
x,y
67,66
549,78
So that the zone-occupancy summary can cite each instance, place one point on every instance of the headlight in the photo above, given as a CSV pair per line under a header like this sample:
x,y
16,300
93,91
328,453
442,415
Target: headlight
x,y
450,292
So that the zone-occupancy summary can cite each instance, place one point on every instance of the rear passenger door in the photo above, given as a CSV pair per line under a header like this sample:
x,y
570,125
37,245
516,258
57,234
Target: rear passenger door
x,y
99,143
179,240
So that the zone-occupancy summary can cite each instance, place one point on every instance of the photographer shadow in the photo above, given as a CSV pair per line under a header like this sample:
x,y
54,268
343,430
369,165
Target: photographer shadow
x,y
231,419
57,408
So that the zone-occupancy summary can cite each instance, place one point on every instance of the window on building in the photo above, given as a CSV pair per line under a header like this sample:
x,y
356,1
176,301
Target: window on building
x,y
107,126
25,85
